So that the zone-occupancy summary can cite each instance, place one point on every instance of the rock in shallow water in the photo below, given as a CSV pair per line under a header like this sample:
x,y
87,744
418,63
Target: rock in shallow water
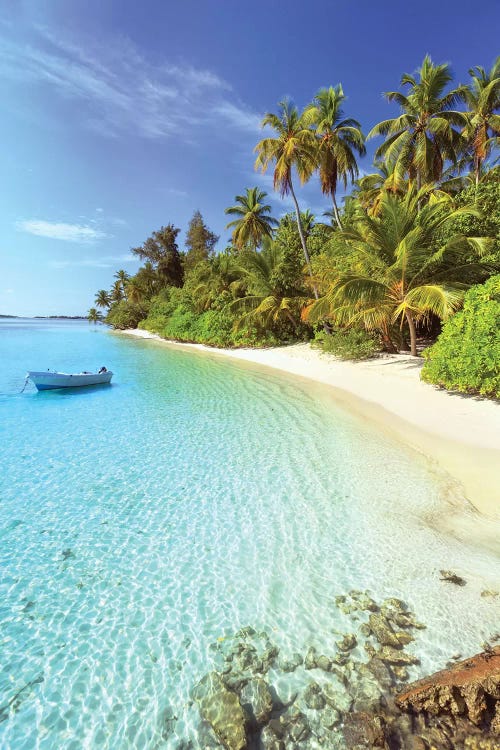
x,y
269,741
291,664
313,696
362,730
470,688
257,701
221,708
347,642
393,656
451,577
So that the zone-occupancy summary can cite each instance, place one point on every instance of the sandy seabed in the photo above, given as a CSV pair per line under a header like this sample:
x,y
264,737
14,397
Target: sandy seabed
x,y
460,433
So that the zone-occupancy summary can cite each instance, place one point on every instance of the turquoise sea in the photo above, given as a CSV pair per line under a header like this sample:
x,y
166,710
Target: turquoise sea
x,y
142,522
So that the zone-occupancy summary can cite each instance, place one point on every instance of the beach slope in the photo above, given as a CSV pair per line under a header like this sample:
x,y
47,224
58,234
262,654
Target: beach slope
x,y
459,432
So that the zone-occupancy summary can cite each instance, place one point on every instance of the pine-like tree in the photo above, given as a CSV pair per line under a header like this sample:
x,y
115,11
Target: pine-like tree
x,y
200,242
162,251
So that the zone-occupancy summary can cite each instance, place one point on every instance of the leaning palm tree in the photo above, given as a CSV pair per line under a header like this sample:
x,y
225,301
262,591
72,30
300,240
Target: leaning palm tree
x,y
422,138
293,147
267,300
94,316
338,139
253,222
117,292
401,269
482,128
102,298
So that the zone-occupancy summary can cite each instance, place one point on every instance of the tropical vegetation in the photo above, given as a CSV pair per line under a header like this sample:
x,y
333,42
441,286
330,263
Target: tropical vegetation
x,y
466,356
388,264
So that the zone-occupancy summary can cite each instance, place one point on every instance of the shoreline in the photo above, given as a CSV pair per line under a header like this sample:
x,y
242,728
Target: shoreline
x,y
458,433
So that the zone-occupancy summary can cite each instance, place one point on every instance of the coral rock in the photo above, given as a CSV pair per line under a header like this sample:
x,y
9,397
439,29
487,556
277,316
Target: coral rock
x,y
468,689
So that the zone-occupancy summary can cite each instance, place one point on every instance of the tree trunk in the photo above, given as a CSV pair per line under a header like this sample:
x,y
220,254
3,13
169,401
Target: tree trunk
x,y
419,185
336,211
413,333
303,239
388,342
291,319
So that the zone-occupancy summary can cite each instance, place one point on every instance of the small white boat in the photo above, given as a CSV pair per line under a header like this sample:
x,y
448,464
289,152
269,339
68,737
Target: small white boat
x,y
46,381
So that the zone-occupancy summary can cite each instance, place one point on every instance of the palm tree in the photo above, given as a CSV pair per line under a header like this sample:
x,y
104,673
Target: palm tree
x,y
102,298
308,220
94,316
117,292
482,129
134,291
123,277
147,279
370,188
401,270
267,300
222,275
253,222
293,147
422,138
338,139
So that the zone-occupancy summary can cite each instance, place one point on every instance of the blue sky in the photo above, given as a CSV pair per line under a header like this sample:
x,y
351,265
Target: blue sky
x,y
121,116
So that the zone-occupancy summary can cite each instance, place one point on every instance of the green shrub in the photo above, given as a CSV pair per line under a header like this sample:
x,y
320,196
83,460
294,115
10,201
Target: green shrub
x,y
125,314
466,356
172,316
348,343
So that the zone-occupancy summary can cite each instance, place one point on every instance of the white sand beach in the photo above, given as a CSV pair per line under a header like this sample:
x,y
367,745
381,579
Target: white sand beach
x,y
460,433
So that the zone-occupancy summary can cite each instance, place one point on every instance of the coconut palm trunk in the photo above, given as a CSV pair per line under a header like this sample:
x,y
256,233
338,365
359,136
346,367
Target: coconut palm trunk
x,y
413,333
302,238
336,211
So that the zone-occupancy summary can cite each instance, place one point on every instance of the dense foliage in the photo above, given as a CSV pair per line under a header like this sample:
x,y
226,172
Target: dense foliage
x,y
390,265
466,356
173,315
348,343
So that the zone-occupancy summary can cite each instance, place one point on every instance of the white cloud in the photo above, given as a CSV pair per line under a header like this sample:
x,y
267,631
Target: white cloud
x,y
105,261
242,119
177,192
61,231
119,90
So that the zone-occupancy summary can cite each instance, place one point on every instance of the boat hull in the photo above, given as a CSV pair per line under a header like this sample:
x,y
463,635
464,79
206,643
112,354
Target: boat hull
x,y
48,381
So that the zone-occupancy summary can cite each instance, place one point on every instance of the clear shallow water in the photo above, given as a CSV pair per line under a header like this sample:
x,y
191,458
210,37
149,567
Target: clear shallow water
x,y
141,522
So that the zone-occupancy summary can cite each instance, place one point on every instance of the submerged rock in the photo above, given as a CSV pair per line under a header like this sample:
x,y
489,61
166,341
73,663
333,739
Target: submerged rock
x,y
380,672
291,664
382,630
221,708
347,642
337,697
470,688
313,696
401,673
310,658
269,741
451,577
324,663
330,718
393,656
257,701
245,632
362,730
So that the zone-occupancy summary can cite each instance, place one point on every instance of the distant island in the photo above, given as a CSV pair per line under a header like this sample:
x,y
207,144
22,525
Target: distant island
x,y
47,317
